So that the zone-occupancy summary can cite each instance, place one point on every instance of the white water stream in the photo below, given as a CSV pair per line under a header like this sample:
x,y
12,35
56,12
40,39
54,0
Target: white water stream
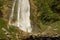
x,y
23,15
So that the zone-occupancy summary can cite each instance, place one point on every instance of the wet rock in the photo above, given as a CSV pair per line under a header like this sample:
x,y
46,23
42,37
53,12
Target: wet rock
x,y
1,14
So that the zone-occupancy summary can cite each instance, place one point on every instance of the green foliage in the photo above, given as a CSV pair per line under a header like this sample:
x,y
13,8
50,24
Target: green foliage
x,y
2,23
1,3
49,10
12,30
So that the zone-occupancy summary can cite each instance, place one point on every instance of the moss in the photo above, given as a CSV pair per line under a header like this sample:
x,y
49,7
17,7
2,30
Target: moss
x,y
3,23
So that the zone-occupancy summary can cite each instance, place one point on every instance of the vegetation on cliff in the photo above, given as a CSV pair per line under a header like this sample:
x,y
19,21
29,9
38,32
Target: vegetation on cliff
x,y
44,14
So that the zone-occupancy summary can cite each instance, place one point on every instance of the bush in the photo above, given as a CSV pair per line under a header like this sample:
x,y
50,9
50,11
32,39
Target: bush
x,y
49,11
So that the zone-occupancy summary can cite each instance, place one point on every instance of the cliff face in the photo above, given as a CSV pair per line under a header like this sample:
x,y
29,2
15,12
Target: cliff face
x,y
6,8
44,13
45,19
34,17
6,11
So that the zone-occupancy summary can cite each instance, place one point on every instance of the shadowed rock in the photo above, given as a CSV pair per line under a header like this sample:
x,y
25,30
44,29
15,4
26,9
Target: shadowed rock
x,y
1,14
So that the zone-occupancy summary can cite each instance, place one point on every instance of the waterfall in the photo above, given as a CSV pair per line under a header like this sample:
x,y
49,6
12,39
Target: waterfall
x,y
11,16
23,15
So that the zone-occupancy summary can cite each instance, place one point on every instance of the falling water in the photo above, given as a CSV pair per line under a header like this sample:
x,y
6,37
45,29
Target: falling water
x,y
11,16
23,15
